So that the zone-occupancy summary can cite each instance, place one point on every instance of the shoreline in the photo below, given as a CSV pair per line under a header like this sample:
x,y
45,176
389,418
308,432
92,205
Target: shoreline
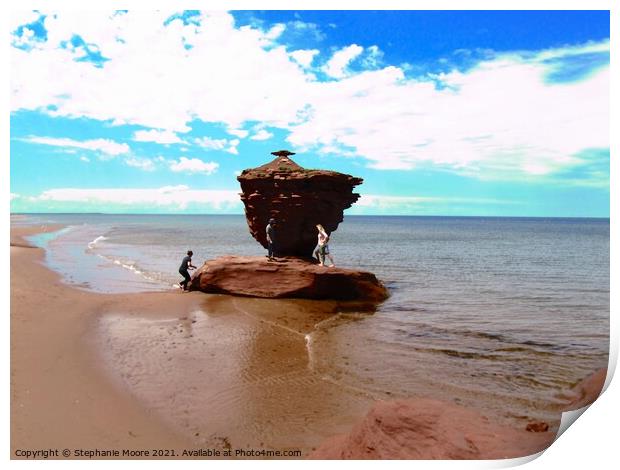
x,y
97,371
164,370
60,397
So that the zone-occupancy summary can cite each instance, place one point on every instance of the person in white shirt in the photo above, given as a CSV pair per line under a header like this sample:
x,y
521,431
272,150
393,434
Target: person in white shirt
x,y
322,250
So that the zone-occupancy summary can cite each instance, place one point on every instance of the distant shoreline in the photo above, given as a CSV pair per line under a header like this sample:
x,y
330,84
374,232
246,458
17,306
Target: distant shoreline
x,y
524,217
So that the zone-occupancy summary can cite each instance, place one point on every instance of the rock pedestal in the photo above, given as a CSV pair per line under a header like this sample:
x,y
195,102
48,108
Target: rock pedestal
x,y
285,278
298,199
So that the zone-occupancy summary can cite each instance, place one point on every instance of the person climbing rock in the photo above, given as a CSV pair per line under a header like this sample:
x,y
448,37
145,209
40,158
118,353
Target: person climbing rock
x,y
186,264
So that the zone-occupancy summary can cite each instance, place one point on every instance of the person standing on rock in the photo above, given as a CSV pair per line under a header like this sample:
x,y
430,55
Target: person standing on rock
x,y
183,270
322,249
271,235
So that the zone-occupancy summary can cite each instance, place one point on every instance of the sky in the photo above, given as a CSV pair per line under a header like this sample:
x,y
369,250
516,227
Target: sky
x,y
468,113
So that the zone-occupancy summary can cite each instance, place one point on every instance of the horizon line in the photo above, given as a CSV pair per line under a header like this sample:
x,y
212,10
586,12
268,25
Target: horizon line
x,y
347,215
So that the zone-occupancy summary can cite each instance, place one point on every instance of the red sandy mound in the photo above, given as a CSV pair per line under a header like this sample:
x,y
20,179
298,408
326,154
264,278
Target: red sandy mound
x,y
287,277
586,391
430,429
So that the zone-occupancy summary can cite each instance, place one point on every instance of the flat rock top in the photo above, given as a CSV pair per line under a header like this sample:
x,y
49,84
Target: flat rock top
x,y
283,166
261,263
286,277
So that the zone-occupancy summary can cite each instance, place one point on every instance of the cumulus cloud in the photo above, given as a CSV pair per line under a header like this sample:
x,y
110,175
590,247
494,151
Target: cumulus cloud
x,y
337,65
250,82
373,57
232,147
157,136
304,28
211,144
275,31
381,200
145,164
104,146
241,133
501,119
304,57
175,196
432,205
193,165
262,135
504,117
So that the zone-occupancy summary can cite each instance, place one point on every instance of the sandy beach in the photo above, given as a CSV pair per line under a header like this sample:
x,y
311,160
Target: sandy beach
x,y
60,396
155,371
189,375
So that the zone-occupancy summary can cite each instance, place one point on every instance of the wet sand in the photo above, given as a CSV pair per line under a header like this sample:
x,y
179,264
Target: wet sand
x,y
175,371
164,370
60,395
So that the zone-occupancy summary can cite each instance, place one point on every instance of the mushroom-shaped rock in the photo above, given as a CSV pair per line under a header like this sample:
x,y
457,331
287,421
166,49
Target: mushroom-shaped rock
x,y
298,199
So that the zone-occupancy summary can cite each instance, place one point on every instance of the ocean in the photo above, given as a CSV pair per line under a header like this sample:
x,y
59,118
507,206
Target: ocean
x,y
498,313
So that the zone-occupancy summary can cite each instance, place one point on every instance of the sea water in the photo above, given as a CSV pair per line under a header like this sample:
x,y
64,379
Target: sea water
x,y
501,311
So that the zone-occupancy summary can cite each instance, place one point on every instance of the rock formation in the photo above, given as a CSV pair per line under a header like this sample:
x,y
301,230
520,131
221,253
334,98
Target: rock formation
x,y
585,391
288,277
297,199
430,429
420,428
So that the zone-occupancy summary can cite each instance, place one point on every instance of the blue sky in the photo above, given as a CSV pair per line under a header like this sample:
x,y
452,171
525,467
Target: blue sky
x,y
441,113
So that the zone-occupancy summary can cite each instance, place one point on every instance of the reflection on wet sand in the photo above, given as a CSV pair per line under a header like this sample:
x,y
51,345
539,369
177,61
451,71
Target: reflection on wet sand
x,y
237,372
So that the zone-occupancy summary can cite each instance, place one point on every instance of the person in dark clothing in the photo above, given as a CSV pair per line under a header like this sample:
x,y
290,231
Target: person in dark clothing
x,y
183,270
270,232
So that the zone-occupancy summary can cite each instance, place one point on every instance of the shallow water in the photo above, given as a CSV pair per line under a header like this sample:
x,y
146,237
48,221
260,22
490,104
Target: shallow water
x,y
225,378
498,313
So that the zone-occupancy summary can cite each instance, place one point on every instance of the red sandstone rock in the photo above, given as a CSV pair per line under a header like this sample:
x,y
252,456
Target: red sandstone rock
x,y
298,199
287,277
537,426
587,390
430,429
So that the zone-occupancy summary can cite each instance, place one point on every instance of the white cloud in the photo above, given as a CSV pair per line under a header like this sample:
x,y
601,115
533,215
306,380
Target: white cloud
x,y
499,119
386,201
247,82
20,18
311,30
157,136
84,159
262,135
193,165
176,196
211,144
16,196
232,146
145,164
241,133
373,57
275,31
336,66
105,146
304,57
430,205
